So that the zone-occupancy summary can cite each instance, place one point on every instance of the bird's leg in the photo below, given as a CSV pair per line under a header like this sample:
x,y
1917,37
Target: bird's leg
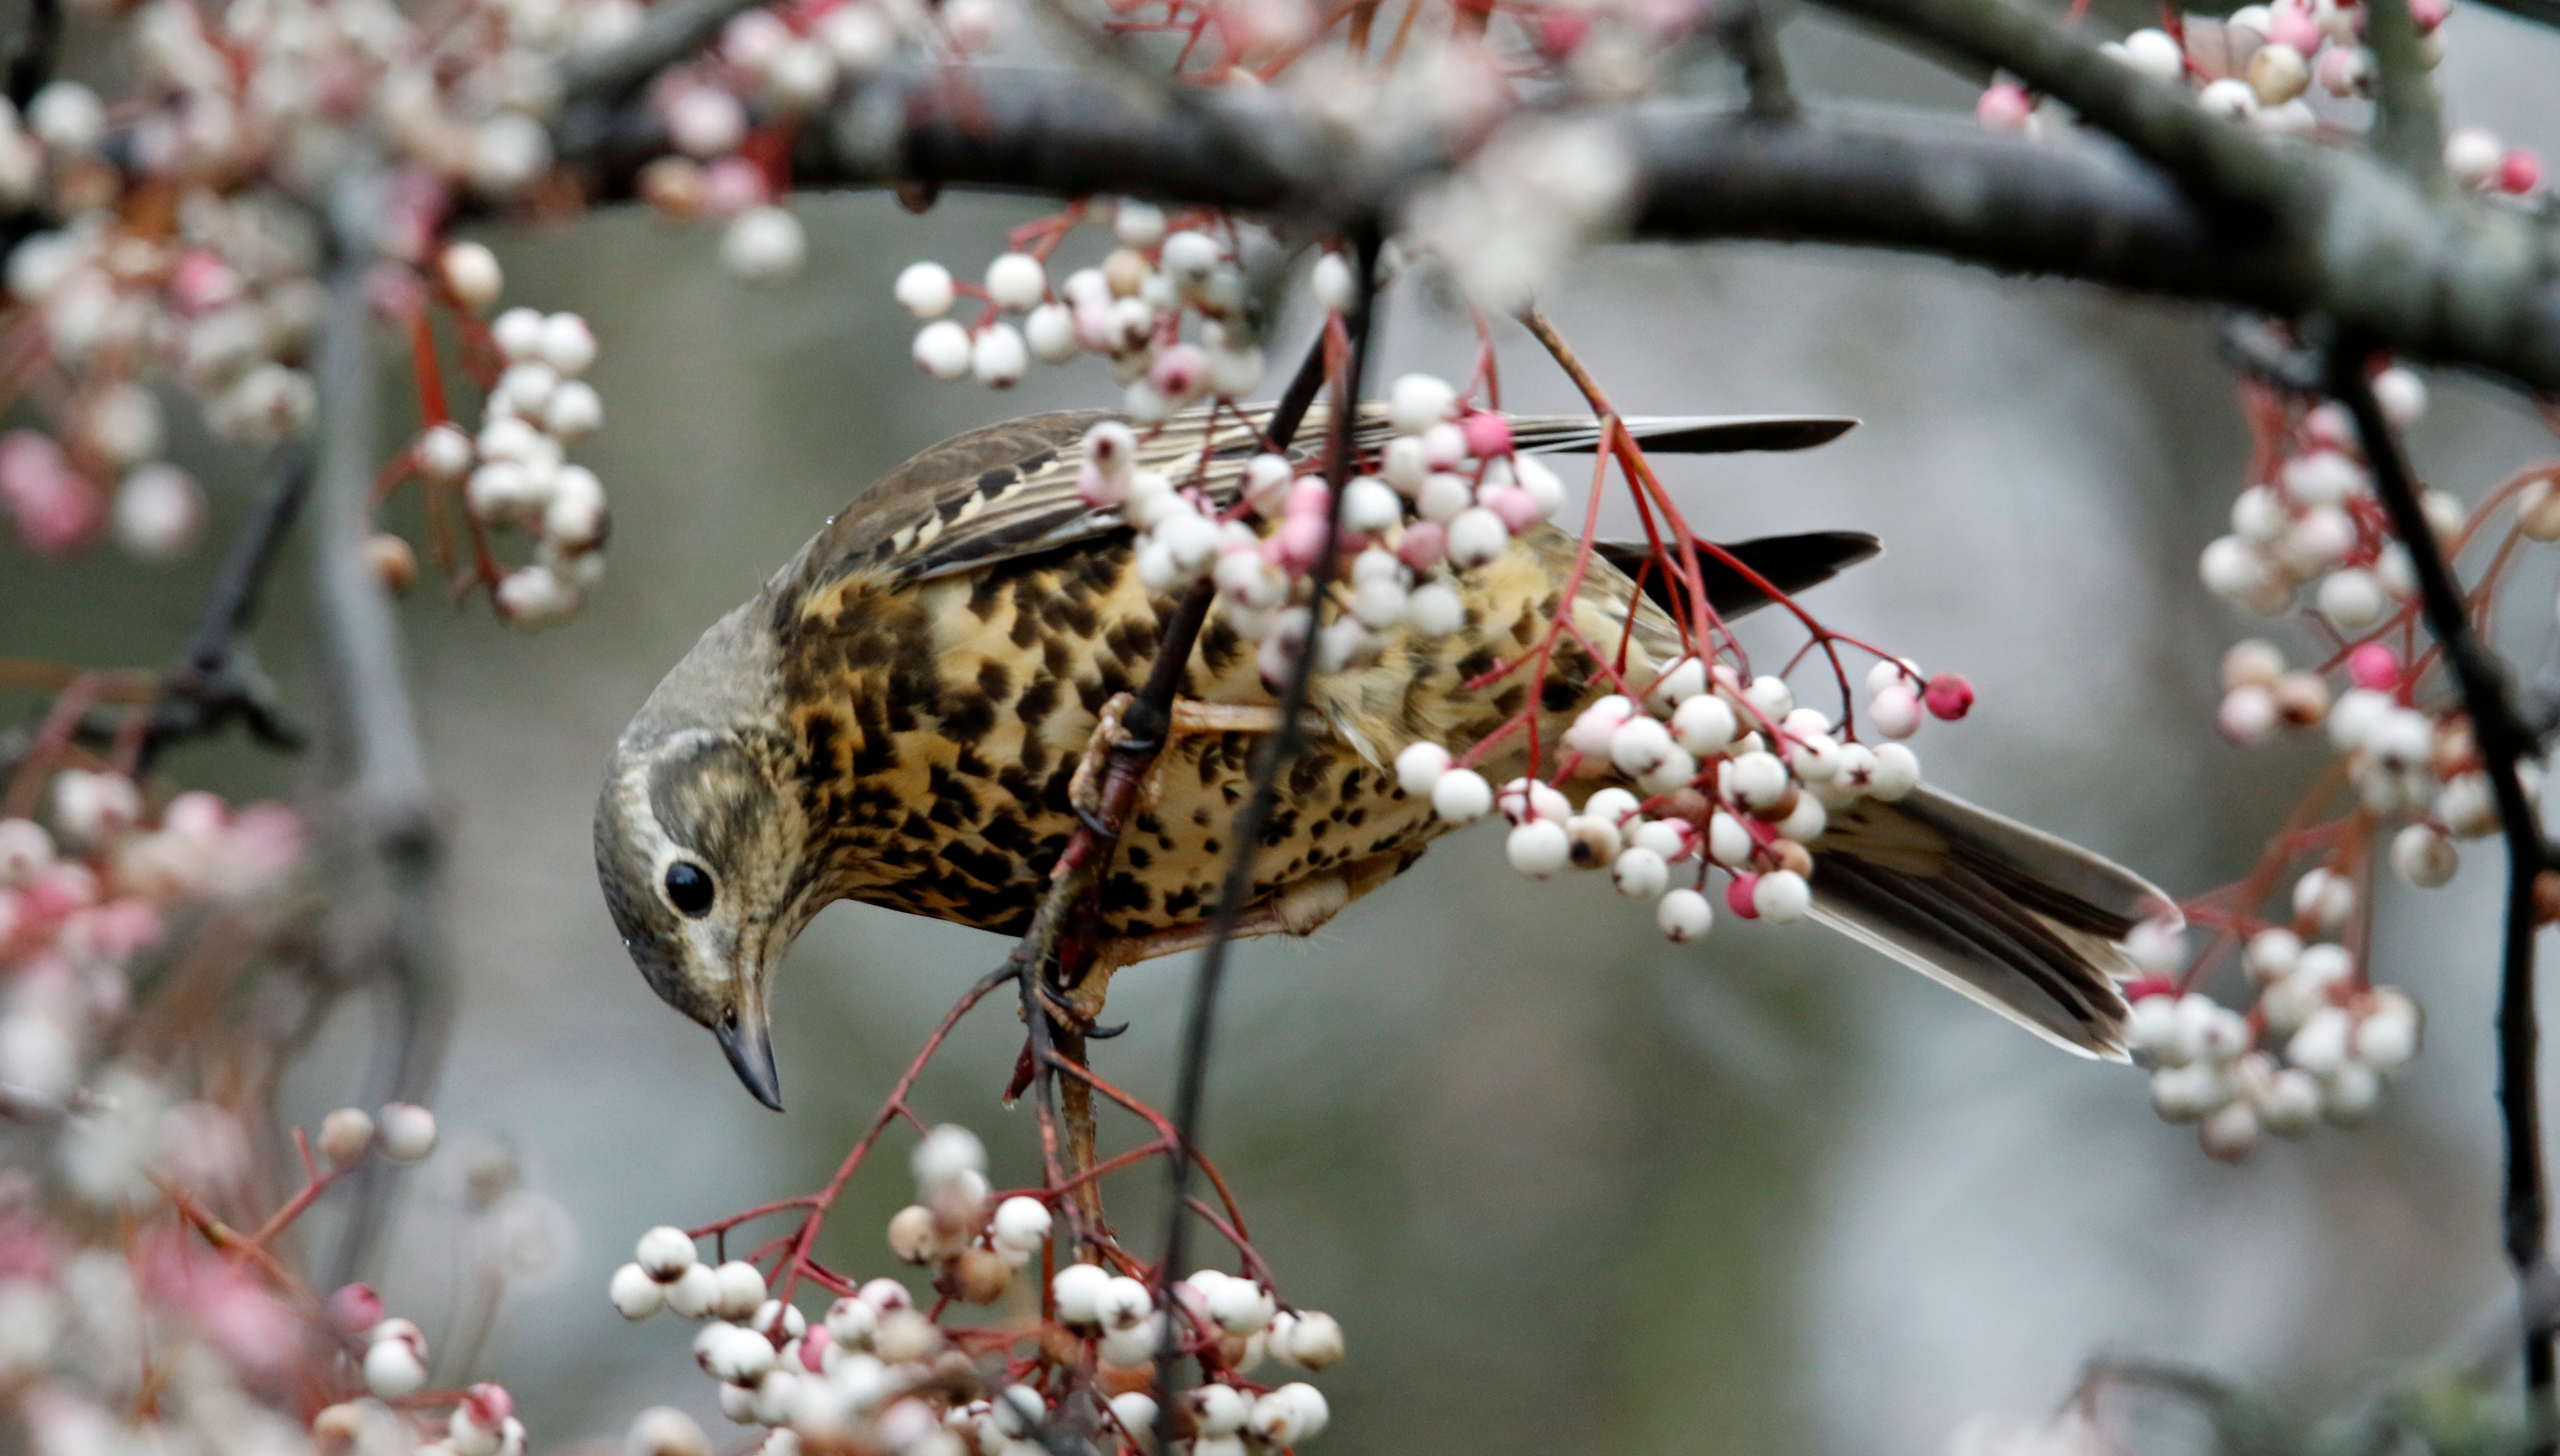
x,y
1191,718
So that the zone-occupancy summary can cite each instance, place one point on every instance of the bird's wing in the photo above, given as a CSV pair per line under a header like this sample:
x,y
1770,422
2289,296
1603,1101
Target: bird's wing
x,y
1008,490
2023,922
1789,563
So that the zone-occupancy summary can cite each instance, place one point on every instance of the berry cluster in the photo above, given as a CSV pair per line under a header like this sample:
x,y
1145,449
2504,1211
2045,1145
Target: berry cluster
x,y
2314,1046
2313,524
1729,774
2318,1037
1129,309
1448,495
877,1372
2296,68
515,472
732,115
78,902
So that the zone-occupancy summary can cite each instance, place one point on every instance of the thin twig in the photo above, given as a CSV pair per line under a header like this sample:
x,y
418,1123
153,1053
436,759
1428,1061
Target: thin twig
x,y
215,678
32,65
1750,34
1277,751
2503,741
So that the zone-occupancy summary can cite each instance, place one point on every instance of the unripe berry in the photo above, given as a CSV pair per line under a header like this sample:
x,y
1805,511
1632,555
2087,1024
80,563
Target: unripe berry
x,y
925,290
1684,915
666,1251
345,1135
1461,796
1314,1340
392,1370
1078,1293
407,1132
1897,772
1782,897
636,1295
742,1290
472,271
1539,848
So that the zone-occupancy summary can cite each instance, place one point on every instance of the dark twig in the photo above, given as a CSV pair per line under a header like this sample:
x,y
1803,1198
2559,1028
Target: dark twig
x,y
2503,741
38,46
1199,1018
216,678
1750,35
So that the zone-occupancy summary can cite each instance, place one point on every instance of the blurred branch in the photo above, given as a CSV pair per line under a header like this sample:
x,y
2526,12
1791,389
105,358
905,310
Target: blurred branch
x,y
40,42
2503,741
1278,751
390,903
2408,114
672,33
1750,35
2221,214
216,678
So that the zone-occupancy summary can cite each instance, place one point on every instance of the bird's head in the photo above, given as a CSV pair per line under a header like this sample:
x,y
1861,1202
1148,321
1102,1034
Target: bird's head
x,y
699,848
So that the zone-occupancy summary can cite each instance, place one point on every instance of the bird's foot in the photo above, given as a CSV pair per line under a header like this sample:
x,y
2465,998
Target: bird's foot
x,y
1085,790
1191,718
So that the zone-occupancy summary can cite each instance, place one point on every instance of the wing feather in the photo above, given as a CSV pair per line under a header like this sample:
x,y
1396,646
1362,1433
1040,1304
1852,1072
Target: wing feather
x,y
2019,920
1008,490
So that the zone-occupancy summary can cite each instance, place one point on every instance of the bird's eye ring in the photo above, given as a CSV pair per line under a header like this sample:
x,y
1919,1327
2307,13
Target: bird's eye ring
x,y
689,888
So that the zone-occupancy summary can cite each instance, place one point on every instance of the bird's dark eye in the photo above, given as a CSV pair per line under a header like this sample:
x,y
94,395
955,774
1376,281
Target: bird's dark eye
x,y
689,888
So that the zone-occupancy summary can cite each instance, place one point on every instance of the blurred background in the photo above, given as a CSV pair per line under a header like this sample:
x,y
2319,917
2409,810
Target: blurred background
x,y
1566,1186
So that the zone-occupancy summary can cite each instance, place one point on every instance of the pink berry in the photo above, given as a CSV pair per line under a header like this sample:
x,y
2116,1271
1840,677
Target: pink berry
x,y
2374,666
1516,507
2293,26
1488,434
1308,497
2429,14
1301,539
2154,984
731,186
1950,697
355,1308
813,1353
1426,544
1560,31
489,1404
1738,896
2522,172
2004,108
1177,371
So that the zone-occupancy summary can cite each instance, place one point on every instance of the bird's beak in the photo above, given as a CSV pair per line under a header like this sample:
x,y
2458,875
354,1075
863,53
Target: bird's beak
x,y
748,1040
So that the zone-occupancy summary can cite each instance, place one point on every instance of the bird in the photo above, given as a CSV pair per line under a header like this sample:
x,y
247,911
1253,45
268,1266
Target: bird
x,y
898,715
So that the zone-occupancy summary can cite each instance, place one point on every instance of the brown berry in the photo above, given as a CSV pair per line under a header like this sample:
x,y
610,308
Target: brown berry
x,y
981,1275
1592,843
2301,699
392,562
912,1234
674,186
1125,270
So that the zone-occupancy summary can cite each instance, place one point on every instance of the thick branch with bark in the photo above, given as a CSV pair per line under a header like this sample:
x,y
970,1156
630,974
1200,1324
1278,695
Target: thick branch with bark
x,y
2203,210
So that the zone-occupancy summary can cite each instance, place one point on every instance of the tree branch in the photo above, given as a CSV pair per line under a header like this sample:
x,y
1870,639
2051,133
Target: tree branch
x,y
2503,741
390,909
2263,223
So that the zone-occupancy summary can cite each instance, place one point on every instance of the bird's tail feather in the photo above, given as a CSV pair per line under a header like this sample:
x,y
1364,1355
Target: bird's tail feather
x,y
1681,434
2026,923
